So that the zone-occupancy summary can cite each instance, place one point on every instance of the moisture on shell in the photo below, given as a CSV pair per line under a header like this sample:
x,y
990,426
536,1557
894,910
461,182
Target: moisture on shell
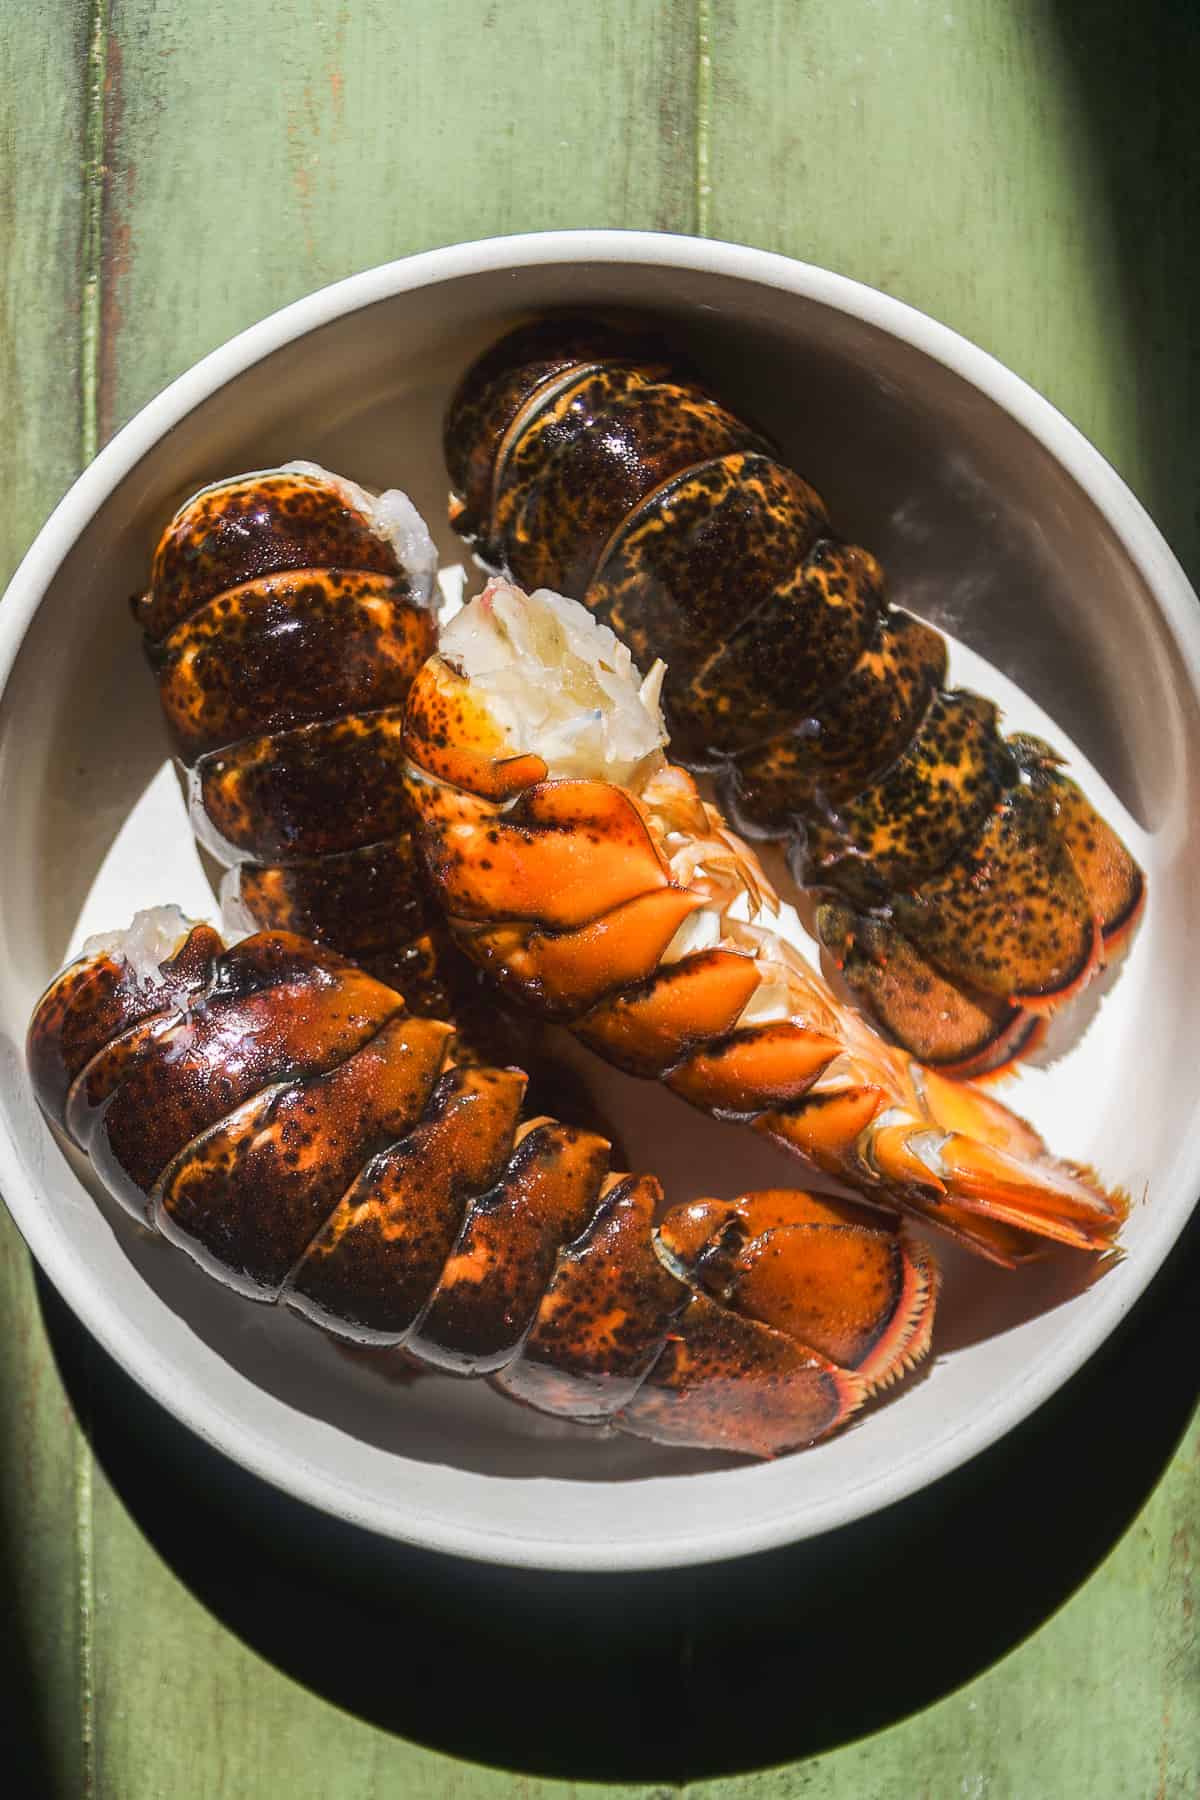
x,y
394,518
150,940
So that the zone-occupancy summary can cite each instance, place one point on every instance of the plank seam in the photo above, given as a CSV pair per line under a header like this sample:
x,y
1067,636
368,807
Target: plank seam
x,y
703,113
92,230
91,260
85,1559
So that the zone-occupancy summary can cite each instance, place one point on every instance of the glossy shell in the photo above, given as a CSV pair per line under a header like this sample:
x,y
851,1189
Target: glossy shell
x,y
571,892
284,1119
285,630
960,905
285,634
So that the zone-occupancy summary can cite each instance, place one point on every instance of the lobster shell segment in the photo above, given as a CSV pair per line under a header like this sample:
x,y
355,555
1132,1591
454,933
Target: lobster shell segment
x,y
971,887
524,365
284,1119
730,1016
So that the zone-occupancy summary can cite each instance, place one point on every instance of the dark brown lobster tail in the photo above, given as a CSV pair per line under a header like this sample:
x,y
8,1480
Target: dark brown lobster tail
x,y
971,886
283,1118
524,365
285,630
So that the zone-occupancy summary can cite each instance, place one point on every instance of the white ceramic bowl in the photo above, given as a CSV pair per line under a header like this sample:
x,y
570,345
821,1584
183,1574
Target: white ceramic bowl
x,y
992,515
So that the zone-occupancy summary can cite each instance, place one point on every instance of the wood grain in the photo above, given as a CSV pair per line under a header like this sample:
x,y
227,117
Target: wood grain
x,y
1027,173
1103,1700
252,153
44,1463
259,150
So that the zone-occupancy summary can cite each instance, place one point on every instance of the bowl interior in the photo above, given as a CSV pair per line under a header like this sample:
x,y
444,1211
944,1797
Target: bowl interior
x,y
983,530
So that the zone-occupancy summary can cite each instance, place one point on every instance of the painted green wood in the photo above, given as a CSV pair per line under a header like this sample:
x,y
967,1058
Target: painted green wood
x,y
262,147
1103,1701
988,163
1029,173
253,153
185,1711
44,1466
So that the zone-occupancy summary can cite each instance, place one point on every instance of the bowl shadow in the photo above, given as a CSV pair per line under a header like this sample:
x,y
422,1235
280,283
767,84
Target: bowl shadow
x,y
692,1672
375,1397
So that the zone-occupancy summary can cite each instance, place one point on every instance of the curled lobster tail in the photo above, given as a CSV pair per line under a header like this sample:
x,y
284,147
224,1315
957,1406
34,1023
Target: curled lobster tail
x,y
971,886
587,876
281,1116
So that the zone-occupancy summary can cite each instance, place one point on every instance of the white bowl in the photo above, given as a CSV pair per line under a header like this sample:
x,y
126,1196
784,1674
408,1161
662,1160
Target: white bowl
x,y
992,515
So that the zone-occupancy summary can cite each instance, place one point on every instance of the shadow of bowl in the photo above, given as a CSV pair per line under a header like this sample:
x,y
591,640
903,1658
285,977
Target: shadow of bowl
x,y
678,1674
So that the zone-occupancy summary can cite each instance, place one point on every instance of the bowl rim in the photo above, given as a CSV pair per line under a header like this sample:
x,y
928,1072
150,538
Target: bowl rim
x,y
1138,536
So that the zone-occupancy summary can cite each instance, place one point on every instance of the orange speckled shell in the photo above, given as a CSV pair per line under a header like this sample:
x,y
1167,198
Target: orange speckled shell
x,y
739,1027
285,1120
448,733
253,526
564,853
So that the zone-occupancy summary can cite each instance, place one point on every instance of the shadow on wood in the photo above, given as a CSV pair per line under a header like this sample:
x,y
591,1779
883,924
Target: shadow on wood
x,y
1134,72
681,1674
28,1733
785,1655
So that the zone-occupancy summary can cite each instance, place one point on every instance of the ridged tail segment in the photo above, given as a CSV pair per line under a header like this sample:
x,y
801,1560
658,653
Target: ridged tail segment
x,y
635,916
971,886
286,615
283,1118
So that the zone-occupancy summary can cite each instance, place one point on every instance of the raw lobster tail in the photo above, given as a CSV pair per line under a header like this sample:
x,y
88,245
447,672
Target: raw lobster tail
x,y
286,616
586,875
972,887
281,1116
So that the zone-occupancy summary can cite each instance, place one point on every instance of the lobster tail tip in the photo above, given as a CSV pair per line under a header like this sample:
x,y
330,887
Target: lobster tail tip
x,y
728,1014
1058,1200
907,1339
838,1280
947,1024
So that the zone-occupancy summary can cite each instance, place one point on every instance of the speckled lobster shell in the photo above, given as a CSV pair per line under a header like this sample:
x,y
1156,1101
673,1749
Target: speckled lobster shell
x,y
283,1118
960,903
285,633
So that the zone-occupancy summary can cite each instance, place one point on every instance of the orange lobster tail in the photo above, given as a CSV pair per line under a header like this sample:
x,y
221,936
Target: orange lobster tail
x,y
284,1119
741,1027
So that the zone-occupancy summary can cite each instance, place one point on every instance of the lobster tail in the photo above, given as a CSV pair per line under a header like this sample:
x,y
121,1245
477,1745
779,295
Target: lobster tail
x,y
286,615
582,872
971,887
284,1118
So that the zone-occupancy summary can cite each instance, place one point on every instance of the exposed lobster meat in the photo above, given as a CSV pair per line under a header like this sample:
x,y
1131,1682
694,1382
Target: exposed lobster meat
x,y
969,886
583,871
280,1115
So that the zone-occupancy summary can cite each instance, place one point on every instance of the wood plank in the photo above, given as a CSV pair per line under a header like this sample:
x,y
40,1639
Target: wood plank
x,y
259,152
239,142
44,1465
246,1646
186,1708
1026,173
254,152
1103,1700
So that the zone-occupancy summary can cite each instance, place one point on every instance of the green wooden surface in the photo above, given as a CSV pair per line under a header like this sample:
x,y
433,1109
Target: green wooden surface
x,y
1027,172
